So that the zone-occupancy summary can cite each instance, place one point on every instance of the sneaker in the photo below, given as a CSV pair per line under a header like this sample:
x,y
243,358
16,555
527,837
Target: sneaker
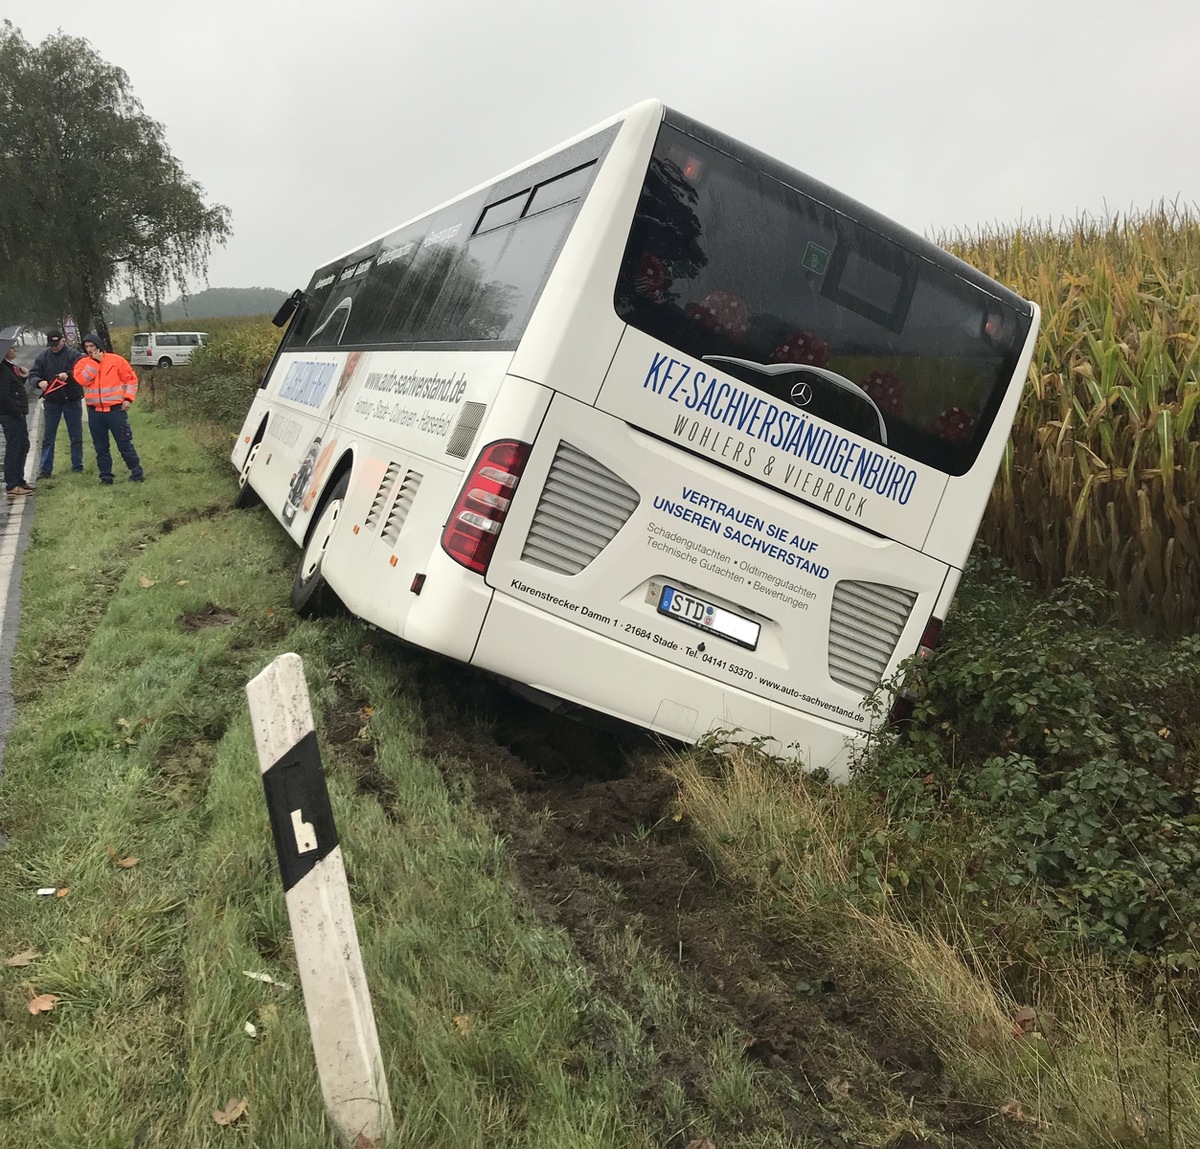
x,y
45,475
106,482
137,478
13,492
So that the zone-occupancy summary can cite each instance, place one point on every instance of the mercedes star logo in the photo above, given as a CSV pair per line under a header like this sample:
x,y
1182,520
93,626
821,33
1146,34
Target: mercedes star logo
x,y
801,394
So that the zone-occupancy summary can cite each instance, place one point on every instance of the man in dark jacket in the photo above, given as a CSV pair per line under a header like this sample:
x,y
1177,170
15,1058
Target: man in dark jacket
x,y
52,372
14,406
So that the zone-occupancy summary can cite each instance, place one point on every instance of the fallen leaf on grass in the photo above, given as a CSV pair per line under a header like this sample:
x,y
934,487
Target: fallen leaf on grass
x,y
123,863
1024,1021
838,1086
23,958
234,1108
43,1003
144,582
182,582
1011,1111
267,978
62,891
463,1023
362,1141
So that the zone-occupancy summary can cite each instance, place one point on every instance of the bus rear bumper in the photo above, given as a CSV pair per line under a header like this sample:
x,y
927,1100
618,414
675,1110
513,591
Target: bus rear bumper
x,y
554,656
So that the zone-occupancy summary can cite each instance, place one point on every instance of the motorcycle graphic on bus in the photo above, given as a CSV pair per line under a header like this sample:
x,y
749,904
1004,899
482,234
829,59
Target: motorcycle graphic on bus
x,y
307,482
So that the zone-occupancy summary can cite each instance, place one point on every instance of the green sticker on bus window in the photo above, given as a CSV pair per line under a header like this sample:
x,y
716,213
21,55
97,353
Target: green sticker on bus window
x,y
816,258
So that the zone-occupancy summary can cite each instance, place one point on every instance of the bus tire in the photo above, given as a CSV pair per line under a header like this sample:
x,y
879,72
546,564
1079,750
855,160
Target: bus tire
x,y
312,596
247,496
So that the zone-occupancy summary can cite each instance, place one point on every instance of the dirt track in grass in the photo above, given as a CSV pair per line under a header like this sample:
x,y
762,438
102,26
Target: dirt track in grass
x,y
599,849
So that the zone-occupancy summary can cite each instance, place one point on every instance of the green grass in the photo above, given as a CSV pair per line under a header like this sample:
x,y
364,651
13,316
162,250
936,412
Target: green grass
x,y
133,737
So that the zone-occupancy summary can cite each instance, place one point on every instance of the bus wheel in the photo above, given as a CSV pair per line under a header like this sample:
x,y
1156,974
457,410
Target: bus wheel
x,y
247,496
311,594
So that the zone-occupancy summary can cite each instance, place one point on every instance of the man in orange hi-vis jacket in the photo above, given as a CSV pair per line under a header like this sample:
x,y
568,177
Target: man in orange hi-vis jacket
x,y
109,388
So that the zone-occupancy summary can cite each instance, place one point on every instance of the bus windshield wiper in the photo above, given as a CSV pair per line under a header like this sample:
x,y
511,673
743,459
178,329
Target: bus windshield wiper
x,y
821,372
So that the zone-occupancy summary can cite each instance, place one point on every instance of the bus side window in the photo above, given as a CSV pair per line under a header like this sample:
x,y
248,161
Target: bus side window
x,y
506,211
562,189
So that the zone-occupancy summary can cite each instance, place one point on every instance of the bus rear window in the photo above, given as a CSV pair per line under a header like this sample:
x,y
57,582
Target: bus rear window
x,y
751,267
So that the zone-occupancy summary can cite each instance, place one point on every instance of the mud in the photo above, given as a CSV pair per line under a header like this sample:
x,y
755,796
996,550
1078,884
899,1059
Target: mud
x,y
614,855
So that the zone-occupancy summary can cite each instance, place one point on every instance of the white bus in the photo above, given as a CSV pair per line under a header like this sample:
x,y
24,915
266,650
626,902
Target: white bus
x,y
652,425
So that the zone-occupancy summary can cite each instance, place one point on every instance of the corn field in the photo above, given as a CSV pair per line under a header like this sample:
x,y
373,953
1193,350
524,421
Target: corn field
x,y
1102,474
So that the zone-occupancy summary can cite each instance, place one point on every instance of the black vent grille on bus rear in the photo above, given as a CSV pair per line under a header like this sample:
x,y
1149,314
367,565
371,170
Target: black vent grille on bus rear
x,y
382,495
582,507
401,507
864,628
464,431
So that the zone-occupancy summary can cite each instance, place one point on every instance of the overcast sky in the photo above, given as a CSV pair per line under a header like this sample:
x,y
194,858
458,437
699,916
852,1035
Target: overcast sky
x,y
321,125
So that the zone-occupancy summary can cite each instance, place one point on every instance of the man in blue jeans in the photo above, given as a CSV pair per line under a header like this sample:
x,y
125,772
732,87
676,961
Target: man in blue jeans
x,y
52,374
110,386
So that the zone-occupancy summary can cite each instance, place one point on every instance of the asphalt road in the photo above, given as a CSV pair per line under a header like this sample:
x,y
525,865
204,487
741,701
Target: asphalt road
x,y
16,518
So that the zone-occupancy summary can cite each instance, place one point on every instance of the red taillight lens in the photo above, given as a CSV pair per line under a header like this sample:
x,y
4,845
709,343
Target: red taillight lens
x,y
479,511
933,631
902,707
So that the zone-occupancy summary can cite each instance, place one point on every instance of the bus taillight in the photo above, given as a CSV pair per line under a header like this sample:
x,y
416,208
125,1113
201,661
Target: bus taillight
x,y
933,631
902,708
479,511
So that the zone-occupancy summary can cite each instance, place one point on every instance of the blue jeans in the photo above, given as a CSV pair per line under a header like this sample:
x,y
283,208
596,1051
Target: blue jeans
x,y
116,422
16,448
73,417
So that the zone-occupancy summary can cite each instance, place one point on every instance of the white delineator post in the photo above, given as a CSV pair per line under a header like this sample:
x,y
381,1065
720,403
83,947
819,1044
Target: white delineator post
x,y
336,997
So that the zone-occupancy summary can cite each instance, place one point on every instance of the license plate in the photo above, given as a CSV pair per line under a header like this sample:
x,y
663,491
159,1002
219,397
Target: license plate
x,y
697,612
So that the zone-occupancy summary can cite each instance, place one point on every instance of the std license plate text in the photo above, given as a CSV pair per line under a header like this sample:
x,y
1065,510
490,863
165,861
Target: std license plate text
x,y
685,607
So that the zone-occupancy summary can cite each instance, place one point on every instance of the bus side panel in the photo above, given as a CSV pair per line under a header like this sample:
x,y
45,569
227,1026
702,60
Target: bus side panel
x,y
390,532
385,405
279,462
250,425
299,395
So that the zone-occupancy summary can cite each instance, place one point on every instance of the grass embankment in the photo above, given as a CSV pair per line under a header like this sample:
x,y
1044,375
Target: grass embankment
x,y
146,608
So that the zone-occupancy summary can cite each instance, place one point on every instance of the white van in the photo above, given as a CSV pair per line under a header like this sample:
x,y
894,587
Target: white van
x,y
165,348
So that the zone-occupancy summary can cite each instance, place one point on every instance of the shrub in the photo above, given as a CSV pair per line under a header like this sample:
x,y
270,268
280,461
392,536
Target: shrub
x,y
1065,753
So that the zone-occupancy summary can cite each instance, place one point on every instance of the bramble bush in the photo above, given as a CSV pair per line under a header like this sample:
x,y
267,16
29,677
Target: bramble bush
x,y
1048,779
